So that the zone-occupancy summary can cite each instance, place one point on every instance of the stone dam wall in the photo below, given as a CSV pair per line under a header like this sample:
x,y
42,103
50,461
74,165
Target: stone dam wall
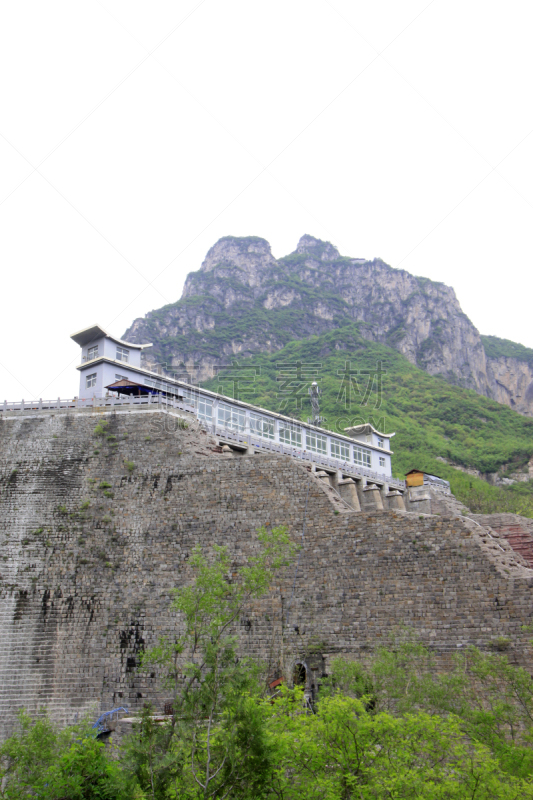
x,y
96,530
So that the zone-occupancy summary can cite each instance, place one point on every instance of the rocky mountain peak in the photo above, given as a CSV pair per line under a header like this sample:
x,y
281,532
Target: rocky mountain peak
x,y
317,249
243,301
246,252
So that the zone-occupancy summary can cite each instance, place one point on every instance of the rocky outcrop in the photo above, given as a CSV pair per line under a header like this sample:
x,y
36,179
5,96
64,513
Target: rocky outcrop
x,y
243,301
511,382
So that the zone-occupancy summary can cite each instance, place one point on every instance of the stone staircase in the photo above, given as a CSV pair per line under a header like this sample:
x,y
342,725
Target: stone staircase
x,y
518,531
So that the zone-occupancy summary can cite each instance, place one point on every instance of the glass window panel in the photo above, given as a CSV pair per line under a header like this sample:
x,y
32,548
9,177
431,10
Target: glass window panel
x,y
90,380
123,354
290,434
231,417
92,352
192,398
205,409
340,450
316,443
362,457
381,461
261,426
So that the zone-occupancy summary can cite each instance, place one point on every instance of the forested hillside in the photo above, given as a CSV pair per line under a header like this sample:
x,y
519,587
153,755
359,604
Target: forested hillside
x,y
434,421
451,394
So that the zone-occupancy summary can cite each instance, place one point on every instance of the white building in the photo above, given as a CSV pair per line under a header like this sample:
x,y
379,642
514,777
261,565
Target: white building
x,y
110,365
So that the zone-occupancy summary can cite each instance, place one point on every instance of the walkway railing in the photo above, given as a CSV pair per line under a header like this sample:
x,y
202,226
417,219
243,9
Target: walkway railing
x,y
246,440
26,406
346,467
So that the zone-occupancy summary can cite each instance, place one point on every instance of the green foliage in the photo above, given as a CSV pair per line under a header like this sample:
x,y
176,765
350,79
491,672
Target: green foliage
x,y
85,505
130,465
100,429
392,728
432,419
498,348
104,485
43,761
346,751
492,698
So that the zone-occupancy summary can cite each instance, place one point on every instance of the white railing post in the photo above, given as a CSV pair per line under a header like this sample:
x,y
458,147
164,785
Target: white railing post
x,y
40,403
22,405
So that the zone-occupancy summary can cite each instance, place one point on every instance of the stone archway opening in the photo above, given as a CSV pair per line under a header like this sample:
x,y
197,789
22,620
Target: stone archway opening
x,y
299,675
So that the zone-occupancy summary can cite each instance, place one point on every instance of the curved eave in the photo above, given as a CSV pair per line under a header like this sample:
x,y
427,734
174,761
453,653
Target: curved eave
x,y
95,332
368,428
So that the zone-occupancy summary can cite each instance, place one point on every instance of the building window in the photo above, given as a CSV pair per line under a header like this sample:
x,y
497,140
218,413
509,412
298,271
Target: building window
x,y
123,354
290,434
92,352
340,450
191,398
231,417
381,442
90,380
205,409
381,461
261,426
121,377
362,457
316,443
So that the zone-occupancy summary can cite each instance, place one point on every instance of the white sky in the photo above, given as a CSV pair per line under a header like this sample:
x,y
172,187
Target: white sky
x,y
134,135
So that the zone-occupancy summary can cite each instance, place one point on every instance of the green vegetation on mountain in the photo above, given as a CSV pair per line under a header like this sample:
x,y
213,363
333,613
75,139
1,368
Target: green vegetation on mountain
x,y
249,320
498,348
432,419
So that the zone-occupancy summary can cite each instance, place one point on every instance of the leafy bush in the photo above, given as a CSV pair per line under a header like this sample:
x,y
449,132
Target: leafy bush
x,y
41,760
100,429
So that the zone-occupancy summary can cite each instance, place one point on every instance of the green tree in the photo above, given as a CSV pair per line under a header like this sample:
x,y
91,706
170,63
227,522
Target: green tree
x,y
42,760
491,698
214,746
345,751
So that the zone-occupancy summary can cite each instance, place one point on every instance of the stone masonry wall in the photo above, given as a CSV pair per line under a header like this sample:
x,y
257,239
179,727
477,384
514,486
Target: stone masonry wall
x,y
89,550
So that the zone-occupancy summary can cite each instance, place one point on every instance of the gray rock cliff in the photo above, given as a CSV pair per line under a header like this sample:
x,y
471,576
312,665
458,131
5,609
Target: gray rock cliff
x,y
243,301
